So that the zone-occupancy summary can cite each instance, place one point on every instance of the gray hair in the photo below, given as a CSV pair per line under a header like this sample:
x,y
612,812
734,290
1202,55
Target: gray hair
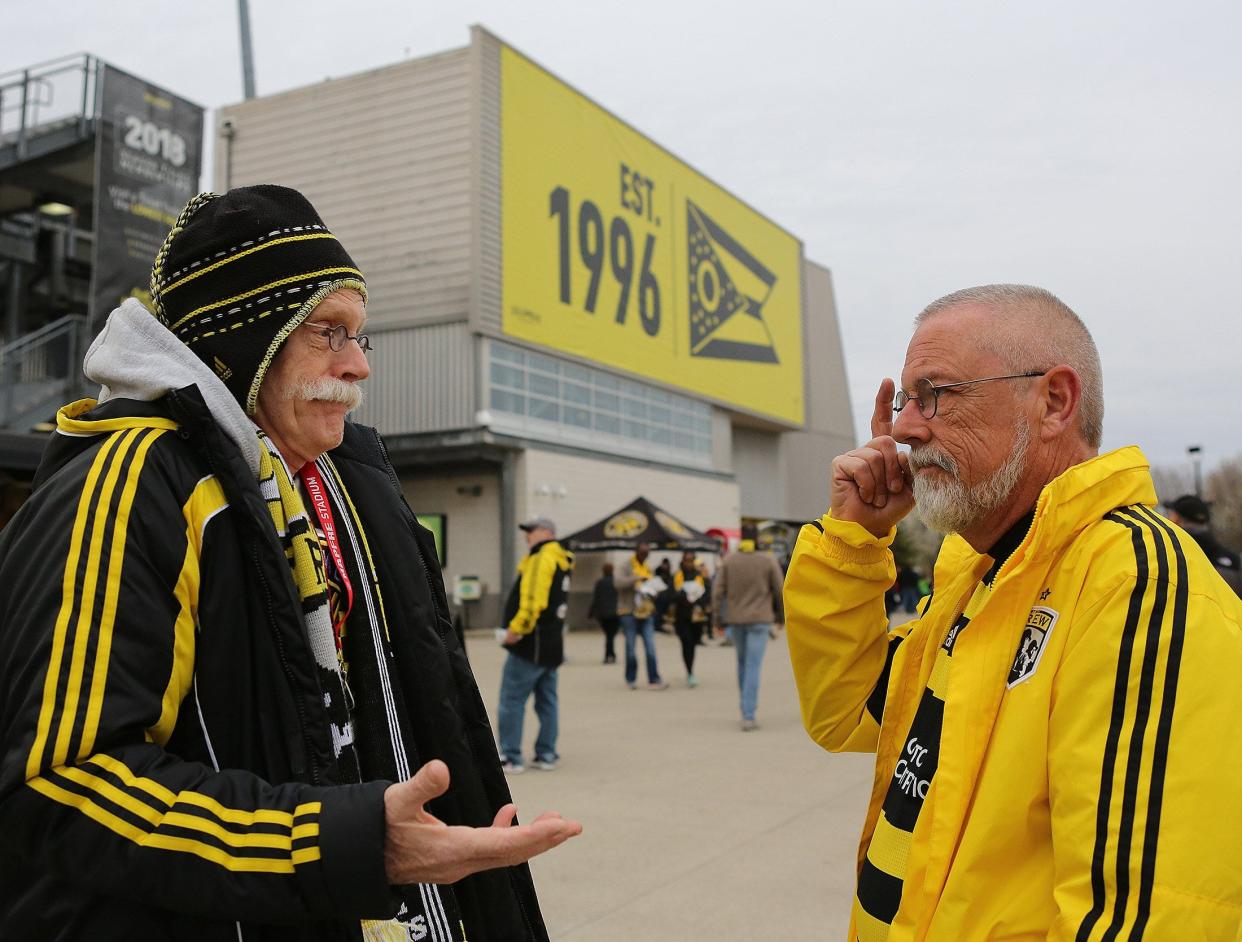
x,y
1036,330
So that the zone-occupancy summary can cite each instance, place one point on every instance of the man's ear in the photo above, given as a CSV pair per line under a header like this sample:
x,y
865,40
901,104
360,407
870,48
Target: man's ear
x,y
1062,394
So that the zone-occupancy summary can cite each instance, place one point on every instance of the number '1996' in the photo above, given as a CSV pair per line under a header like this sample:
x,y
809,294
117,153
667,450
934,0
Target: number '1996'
x,y
619,248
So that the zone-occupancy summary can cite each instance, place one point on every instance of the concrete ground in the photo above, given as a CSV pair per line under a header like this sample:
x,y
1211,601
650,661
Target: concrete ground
x,y
692,829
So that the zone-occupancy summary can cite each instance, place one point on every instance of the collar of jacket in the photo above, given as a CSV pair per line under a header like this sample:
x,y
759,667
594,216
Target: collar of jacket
x,y
1067,505
79,423
137,358
562,556
680,577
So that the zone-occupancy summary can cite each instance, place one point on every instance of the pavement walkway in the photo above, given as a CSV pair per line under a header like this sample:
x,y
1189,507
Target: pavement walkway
x,y
692,829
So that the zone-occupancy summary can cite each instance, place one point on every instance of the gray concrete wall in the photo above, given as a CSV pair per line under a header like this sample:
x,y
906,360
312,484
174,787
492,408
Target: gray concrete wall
x,y
806,456
473,523
385,156
783,475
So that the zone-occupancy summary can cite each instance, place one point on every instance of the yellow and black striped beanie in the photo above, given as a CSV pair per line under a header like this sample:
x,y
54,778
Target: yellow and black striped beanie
x,y
239,271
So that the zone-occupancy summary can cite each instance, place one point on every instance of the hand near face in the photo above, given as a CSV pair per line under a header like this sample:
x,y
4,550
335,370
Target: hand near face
x,y
420,848
871,485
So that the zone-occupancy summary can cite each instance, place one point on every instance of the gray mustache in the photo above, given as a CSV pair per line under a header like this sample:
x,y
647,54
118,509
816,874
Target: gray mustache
x,y
327,389
929,457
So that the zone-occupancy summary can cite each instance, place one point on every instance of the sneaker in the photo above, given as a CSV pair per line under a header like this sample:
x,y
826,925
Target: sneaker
x,y
749,726
632,685
547,765
509,767
692,681
658,685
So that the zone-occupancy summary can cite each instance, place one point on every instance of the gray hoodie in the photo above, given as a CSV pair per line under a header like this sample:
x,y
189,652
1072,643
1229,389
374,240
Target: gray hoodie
x,y
137,357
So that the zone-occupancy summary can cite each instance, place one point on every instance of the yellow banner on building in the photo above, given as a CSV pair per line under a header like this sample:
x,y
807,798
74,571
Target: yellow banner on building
x,y
618,252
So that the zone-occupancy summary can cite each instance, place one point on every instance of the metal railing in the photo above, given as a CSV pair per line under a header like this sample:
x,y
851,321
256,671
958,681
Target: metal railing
x,y
40,370
52,94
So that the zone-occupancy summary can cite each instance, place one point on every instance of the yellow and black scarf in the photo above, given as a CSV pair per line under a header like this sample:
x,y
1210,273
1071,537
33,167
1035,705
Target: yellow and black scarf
x,y
306,562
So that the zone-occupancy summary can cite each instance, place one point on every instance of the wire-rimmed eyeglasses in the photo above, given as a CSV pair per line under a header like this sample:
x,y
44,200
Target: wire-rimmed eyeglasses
x,y
927,393
338,336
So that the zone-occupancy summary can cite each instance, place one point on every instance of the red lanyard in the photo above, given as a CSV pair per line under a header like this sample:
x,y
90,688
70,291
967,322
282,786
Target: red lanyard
x,y
319,500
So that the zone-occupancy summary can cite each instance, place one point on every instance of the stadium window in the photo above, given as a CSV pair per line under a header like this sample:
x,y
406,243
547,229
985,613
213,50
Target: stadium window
x,y
571,402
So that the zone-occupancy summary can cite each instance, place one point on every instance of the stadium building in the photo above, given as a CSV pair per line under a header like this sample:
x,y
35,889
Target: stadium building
x,y
565,315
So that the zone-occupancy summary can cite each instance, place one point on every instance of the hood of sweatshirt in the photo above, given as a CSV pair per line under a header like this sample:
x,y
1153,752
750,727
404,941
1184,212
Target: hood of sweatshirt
x,y
136,357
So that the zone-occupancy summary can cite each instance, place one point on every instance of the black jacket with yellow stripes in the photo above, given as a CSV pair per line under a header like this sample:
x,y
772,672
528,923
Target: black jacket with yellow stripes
x,y
168,769
537,603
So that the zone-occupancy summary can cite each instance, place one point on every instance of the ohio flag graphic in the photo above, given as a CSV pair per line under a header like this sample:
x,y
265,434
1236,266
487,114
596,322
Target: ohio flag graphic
x,y
728,288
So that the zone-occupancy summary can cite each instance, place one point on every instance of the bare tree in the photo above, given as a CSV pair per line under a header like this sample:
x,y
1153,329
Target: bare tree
x,y
1223,491
1172,482
917,544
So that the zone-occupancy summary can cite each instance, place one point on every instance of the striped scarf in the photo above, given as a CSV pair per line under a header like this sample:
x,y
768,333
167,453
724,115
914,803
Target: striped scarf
x,y
305,555
429,912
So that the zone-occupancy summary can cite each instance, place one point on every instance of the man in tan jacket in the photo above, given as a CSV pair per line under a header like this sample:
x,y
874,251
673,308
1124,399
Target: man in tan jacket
x,y
746,599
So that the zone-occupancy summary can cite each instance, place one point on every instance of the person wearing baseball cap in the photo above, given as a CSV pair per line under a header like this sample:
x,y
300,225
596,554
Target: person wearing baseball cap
x,y
233,704
1192,514
534,618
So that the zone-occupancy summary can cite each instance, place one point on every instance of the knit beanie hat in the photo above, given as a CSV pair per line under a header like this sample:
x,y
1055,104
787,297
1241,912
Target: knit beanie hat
x,y
239,271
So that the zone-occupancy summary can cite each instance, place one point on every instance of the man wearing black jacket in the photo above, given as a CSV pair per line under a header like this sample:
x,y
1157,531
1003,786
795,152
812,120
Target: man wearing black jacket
x,y
232,705
535,620
603,609
1192,514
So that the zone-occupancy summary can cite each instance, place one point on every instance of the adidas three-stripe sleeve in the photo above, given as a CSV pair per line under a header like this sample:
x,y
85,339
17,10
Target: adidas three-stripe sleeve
x,y
1145,834
100,594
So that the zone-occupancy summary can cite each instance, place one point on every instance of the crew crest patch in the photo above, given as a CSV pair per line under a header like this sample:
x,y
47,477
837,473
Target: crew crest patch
x,y
1039,624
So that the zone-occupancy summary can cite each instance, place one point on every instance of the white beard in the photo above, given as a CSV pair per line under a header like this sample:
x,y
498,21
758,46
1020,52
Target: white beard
x,y
948,505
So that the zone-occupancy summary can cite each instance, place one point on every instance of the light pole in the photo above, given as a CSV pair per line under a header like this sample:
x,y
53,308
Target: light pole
x,y
1194,451
243,18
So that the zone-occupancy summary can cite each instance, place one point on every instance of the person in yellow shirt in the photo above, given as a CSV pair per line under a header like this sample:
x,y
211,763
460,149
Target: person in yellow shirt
x,y
636,610
1056,735
535,638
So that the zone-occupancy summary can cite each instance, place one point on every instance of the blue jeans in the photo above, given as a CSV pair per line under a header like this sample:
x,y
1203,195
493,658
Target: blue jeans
x,y
909,598
632,626
749,641
519,679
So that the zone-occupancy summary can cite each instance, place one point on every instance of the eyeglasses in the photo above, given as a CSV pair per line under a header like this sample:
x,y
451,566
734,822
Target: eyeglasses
x,y
338,336
927,394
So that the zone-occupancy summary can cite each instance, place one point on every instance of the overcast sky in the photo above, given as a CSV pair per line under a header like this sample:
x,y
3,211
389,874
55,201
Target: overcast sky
x,y
916,148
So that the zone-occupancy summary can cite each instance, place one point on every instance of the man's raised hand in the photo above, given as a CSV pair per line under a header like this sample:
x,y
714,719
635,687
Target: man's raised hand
x,y
871,485
420,848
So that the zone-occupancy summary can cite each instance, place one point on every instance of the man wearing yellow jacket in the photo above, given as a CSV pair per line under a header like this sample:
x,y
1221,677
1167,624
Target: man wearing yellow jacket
x,y
1057,735
535,615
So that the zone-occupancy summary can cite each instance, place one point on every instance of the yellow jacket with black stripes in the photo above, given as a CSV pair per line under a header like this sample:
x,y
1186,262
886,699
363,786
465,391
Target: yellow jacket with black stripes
x,y
168,770
536,606
1092,745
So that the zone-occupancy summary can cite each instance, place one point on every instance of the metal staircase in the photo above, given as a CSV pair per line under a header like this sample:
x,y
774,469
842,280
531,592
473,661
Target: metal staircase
x,y
41,371
47,108
48,115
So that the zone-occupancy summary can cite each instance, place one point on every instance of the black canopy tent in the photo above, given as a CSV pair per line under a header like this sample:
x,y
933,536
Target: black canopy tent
x,y
640,521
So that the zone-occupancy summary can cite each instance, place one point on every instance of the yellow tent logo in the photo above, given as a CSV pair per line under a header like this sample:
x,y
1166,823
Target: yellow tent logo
x,y
671,524
626,523
728,288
